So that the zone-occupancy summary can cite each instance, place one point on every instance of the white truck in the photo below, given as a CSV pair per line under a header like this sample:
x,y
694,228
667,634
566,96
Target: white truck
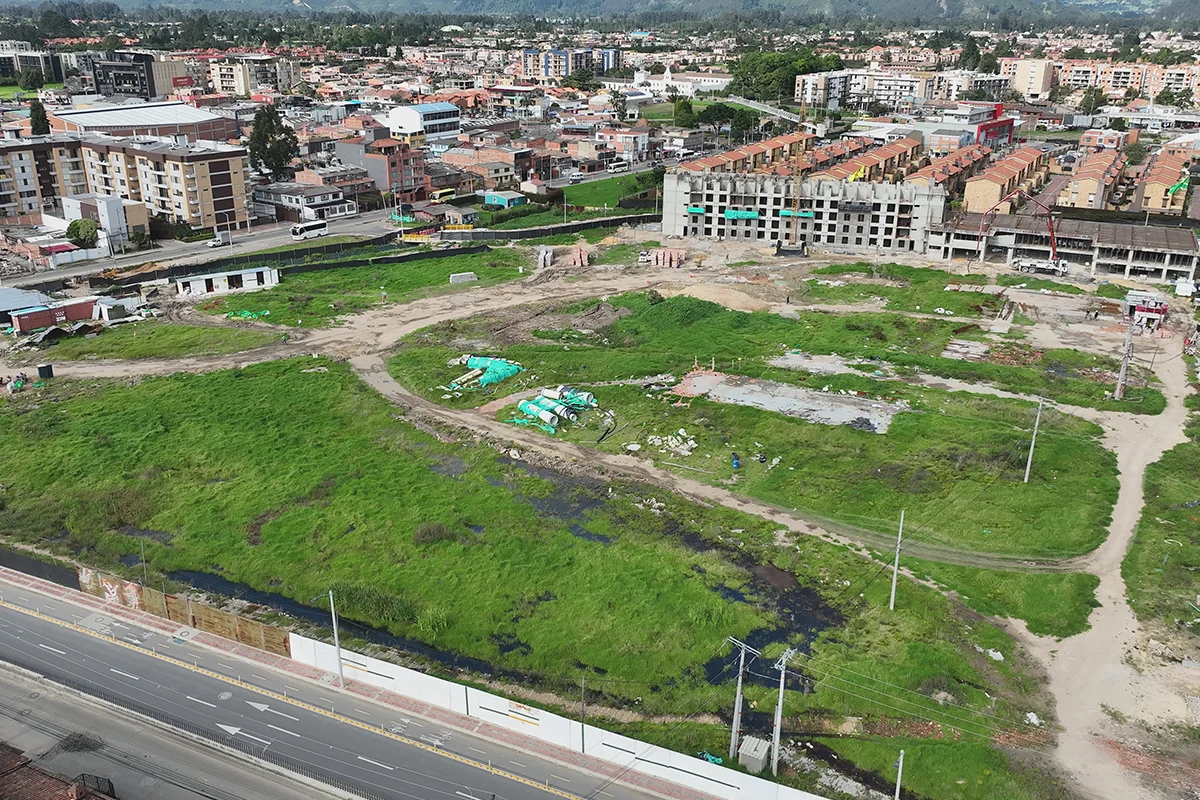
x,y
1057,266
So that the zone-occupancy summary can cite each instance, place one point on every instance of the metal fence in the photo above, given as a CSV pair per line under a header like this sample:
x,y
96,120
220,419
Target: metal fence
x,y
55,573
204,732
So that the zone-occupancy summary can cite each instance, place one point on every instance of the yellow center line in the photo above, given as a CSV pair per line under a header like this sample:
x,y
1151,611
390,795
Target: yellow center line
x,y
299,704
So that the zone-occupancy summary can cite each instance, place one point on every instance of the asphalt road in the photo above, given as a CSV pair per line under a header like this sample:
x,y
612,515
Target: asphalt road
x,y
68,736
358,755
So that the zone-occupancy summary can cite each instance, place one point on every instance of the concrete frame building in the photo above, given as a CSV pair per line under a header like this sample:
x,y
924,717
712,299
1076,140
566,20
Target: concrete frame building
x,y
134,74
243,74
856,215
14,61
432,121
1105,249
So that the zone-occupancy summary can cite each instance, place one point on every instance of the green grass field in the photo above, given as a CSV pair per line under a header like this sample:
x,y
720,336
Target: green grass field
x,y
924,289
9,92
316,299
159,339
1052,604
549,217
955,463
1038,283
596,194
1161,567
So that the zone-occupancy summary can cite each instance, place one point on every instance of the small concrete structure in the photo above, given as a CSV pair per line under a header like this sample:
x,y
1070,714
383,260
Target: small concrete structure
x,y
463,277
753,753
222,282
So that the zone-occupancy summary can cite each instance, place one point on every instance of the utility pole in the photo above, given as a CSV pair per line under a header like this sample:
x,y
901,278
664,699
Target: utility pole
x,y
582,697
737,703
337,645
1126,357
899,773
780,665
1036,421
896,563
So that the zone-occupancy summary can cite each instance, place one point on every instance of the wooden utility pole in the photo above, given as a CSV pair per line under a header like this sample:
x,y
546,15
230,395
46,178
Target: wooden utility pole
x,y
1126,357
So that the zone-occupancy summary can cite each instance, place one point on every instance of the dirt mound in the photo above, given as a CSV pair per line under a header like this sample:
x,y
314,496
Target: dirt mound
x,y
723,295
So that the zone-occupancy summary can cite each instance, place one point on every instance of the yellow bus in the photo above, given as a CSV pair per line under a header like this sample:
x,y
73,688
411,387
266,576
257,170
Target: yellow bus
x,y
441,195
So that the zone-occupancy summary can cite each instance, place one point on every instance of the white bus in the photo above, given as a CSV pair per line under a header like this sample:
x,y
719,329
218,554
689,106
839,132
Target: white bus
x,y
309,230
619,166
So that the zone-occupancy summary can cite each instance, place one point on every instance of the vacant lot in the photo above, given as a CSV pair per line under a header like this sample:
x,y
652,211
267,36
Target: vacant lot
x,y
903,288
315,482
597,194
955,461
159,339
315,299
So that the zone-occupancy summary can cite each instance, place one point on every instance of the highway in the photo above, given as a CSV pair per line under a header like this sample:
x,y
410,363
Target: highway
x,y
346,740
69,737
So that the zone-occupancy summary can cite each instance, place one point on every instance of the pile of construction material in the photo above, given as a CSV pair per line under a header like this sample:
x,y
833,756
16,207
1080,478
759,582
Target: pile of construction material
x,y
482,370
577,256
667,257
552,407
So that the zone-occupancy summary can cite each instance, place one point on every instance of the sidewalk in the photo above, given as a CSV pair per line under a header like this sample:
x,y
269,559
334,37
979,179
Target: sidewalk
x,y
595,766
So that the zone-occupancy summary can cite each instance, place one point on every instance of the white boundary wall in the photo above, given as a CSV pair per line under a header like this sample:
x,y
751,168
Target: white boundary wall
x,y
668,765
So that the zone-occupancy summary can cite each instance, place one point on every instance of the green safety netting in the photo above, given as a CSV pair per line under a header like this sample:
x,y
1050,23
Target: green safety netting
x,y
244,314
494,369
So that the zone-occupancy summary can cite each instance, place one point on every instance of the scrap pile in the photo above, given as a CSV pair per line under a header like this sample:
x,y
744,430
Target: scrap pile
x,y
552,406
251,315
483,370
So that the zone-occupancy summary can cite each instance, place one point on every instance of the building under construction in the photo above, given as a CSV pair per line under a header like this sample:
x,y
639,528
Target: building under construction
x,y
853,215
1103,249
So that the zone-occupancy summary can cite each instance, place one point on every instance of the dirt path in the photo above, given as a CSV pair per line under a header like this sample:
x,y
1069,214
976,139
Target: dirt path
x,y
1090,670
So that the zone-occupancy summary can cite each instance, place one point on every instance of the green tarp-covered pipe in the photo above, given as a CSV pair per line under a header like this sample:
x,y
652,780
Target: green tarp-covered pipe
x,y
555,407
530,409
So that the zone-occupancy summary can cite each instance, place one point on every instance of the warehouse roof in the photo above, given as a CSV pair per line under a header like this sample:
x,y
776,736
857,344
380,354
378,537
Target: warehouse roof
x,y
171,113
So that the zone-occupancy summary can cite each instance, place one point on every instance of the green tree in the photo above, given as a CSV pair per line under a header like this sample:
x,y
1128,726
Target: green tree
x,y
1093,99
743,123
1003,49
1135,152
716,115
989,63
30,79
1075,53
684,116
770,77
111,42
620,104
582,79
1165,98
1118,124
969,57
272,144
39,123
84,233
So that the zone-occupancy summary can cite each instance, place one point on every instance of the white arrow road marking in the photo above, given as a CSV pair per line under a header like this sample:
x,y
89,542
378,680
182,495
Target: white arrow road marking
x,y
282,730
126,674
52,649
201,702
232,731
265,707
376,763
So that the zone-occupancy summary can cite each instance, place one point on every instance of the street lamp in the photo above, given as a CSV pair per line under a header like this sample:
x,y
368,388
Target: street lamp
x,y
337,646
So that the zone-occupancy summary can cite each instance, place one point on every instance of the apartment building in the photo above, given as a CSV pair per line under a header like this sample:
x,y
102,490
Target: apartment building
x,y
1162,188
629,145
351,179
952,84
144,75
1032,77
858,88
1026,168
555,64
823,89
432,121
21,178
392,165
781,209
1093,183
202,185
243,74
522,163
13,61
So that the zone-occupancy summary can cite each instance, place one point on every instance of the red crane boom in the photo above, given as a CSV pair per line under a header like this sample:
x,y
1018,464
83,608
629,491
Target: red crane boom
x,y
991,213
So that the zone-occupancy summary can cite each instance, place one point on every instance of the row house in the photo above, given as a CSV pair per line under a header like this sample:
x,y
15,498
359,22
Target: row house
x,y
1025,168
1092,185
879,164
953,170
1163,185
522,163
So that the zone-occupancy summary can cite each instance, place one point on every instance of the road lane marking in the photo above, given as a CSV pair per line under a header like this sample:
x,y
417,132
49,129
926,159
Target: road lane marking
x,y
126,674
52,649
326,712
518,763
376,763
221,664
476,750
606,794
560,778
23,599
364,713
256,675
264,707
76,616
201,702
293,688
468,796
282,730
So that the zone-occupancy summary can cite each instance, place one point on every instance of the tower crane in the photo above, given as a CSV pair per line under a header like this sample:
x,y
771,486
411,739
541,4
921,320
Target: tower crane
x,y
1054,264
